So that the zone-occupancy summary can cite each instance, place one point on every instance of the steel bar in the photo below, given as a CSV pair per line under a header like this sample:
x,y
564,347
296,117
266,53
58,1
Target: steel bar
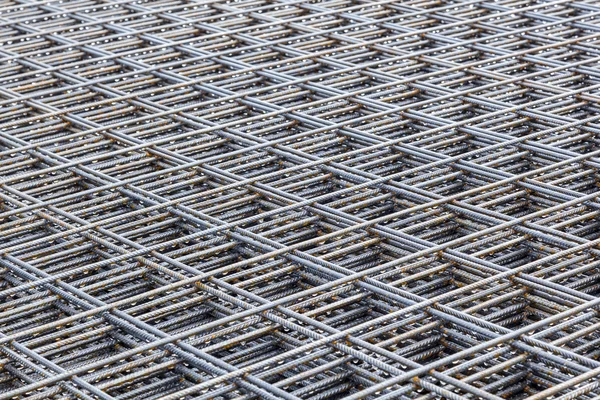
x,y
291,199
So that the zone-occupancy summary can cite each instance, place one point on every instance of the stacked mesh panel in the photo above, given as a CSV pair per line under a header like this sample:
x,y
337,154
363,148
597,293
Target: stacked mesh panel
x,y
286,199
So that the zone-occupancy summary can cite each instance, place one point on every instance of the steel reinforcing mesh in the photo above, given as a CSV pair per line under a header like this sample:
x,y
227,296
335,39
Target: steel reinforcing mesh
x,y
286,199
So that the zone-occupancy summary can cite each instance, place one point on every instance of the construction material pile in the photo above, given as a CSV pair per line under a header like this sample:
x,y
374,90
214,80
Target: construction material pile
x,y
287,199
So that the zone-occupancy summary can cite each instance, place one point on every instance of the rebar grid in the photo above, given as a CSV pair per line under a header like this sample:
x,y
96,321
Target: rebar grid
x,y
286,199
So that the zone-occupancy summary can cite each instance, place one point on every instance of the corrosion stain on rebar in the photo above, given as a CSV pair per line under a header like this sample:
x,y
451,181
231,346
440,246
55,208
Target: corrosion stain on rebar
x,y
283,199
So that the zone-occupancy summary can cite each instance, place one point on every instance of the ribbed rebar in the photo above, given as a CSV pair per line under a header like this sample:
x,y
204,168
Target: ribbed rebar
x,y
291,199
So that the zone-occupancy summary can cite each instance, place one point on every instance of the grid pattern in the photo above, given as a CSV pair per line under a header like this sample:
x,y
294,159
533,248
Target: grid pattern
x,y
286,199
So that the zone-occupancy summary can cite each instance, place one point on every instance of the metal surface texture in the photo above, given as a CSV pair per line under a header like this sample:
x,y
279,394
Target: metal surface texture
x,y
284,199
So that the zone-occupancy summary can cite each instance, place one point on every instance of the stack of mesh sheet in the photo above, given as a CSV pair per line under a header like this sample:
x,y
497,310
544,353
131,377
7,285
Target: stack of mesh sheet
x,y
291,199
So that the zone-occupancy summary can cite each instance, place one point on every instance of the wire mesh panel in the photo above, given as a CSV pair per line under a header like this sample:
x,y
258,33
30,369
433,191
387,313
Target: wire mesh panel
x,y
289,199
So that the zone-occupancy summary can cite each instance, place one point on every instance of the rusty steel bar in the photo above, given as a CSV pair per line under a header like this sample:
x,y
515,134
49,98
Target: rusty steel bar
x,y
290,199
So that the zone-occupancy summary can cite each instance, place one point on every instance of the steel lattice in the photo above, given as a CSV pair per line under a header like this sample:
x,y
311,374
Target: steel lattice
x,y
285,199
